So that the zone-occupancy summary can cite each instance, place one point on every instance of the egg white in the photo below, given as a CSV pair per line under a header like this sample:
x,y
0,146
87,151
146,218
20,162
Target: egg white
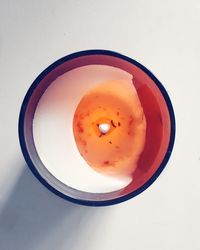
x,y
53,130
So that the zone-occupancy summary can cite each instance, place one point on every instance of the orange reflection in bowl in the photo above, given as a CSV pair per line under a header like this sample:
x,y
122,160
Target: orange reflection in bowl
x,y
109,127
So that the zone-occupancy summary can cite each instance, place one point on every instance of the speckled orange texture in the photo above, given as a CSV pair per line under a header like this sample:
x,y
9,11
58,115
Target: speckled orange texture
x,y
116,152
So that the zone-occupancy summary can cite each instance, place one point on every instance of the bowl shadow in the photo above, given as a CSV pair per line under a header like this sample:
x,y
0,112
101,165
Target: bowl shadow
x,y
35,218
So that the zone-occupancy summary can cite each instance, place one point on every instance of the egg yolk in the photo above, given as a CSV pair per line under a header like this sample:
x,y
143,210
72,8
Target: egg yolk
x,y
109,127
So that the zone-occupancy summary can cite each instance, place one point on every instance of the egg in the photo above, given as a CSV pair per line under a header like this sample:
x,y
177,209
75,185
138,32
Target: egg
x,y
109,128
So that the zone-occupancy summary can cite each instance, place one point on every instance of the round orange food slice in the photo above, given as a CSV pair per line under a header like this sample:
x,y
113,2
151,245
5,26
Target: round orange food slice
x,y
109,127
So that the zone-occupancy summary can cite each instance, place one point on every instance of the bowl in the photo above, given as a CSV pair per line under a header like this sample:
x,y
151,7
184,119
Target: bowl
x,y
159,135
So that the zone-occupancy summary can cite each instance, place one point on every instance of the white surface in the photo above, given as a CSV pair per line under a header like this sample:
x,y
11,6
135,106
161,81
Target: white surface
x,y
53,128
164,36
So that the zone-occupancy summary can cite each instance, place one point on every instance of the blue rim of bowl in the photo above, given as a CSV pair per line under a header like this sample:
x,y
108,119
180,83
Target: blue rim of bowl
x,y
33,167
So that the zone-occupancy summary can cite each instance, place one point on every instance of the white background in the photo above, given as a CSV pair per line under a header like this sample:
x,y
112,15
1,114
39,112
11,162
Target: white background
x,y
162,35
